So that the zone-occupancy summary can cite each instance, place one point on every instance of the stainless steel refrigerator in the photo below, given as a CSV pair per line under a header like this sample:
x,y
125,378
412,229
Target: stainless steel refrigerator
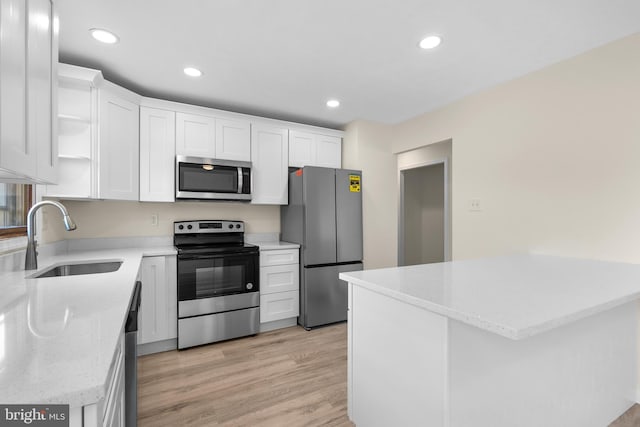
x,y
324,216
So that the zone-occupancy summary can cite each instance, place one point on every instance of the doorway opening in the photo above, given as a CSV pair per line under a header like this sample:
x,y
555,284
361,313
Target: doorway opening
x,y
424,216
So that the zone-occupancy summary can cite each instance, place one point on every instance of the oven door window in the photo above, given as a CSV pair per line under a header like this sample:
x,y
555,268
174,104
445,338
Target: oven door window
x,y
194,177
206,277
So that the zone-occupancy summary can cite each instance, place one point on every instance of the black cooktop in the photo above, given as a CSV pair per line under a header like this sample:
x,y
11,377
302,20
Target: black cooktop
x,y
211,237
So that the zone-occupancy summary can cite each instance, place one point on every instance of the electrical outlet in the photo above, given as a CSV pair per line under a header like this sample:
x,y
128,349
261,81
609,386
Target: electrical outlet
x,y
474,205
154,220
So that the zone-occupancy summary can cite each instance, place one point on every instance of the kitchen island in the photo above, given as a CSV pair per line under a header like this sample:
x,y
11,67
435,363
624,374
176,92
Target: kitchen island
x,y
526,340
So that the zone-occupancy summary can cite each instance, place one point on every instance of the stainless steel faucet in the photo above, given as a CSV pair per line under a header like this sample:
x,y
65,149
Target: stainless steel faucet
x,y
31,258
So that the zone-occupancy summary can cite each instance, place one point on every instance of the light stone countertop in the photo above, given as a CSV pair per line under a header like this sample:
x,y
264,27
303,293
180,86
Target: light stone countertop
x,y
271,246
514,296
58,335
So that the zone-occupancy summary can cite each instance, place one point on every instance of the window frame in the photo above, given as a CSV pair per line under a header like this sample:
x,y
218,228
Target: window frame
x,y
11,232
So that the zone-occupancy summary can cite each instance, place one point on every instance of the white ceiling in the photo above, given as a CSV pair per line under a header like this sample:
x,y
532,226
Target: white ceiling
x,y
285,58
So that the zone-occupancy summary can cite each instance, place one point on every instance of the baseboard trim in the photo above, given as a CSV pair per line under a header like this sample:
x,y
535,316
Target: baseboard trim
x,y
278,324
157,347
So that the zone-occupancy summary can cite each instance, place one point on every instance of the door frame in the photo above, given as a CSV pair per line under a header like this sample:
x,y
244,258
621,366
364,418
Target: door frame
x,y
447,210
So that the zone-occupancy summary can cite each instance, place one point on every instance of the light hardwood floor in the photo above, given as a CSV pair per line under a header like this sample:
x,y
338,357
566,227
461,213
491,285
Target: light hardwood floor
x,y
631,418
289,377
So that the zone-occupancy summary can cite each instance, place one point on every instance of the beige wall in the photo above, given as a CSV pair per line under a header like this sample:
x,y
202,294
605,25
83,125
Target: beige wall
x,y
553,156
120,219
367,146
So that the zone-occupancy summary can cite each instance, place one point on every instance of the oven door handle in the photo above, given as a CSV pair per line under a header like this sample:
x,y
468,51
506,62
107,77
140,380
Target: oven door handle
x,y
189,257
210,256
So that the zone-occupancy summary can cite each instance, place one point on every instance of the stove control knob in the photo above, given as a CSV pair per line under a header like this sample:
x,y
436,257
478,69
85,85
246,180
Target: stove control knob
x,y
181,227
237,225
249,286
189,226
230,225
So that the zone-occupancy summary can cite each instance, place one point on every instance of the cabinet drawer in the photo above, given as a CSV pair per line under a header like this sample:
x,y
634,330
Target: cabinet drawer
x,y
279,278
282,305
279,257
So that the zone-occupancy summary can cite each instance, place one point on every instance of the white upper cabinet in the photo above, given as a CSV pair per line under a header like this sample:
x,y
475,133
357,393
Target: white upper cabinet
x,y
195,135
212,137
157,155
118,142
301,149
16,154
233,140
42,88
313,149
77,133
28,50
269,157
98,134
328,151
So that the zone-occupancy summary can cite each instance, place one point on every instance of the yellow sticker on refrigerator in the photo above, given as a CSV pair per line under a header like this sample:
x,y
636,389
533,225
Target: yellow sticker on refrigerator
x,y
354,183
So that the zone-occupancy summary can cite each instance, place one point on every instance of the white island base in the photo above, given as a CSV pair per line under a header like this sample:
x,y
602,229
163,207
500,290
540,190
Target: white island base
x,y
411,366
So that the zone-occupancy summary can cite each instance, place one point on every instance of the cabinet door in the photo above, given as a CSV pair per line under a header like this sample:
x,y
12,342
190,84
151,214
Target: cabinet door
x,y
17,153
233,140
328,151
269,157
110,411
41,99
195,135
302,150
119,148
157,155
159,306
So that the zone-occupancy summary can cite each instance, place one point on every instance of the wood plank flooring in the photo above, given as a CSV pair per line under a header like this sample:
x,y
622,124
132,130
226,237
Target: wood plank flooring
x,y
631,418
289,377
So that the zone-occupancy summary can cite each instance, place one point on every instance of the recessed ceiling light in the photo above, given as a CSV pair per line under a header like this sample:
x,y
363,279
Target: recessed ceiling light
x,y
104,36
192,72
333,103
430,42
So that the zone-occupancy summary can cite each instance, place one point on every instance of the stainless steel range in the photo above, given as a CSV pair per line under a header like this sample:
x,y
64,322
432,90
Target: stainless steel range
x,y
218,282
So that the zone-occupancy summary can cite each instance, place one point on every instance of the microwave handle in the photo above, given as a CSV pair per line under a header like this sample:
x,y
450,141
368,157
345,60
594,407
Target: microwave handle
x,y
240,180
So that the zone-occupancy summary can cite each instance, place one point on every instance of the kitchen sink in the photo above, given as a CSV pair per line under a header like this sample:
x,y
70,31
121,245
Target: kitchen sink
x,y
81,268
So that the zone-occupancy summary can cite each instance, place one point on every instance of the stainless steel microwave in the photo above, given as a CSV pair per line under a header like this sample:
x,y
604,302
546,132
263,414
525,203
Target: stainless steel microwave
x,y
212,179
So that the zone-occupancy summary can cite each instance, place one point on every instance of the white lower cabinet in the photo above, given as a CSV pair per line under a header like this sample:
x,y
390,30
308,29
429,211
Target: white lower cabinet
x,y
110,411
279,306
279,285
159,306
